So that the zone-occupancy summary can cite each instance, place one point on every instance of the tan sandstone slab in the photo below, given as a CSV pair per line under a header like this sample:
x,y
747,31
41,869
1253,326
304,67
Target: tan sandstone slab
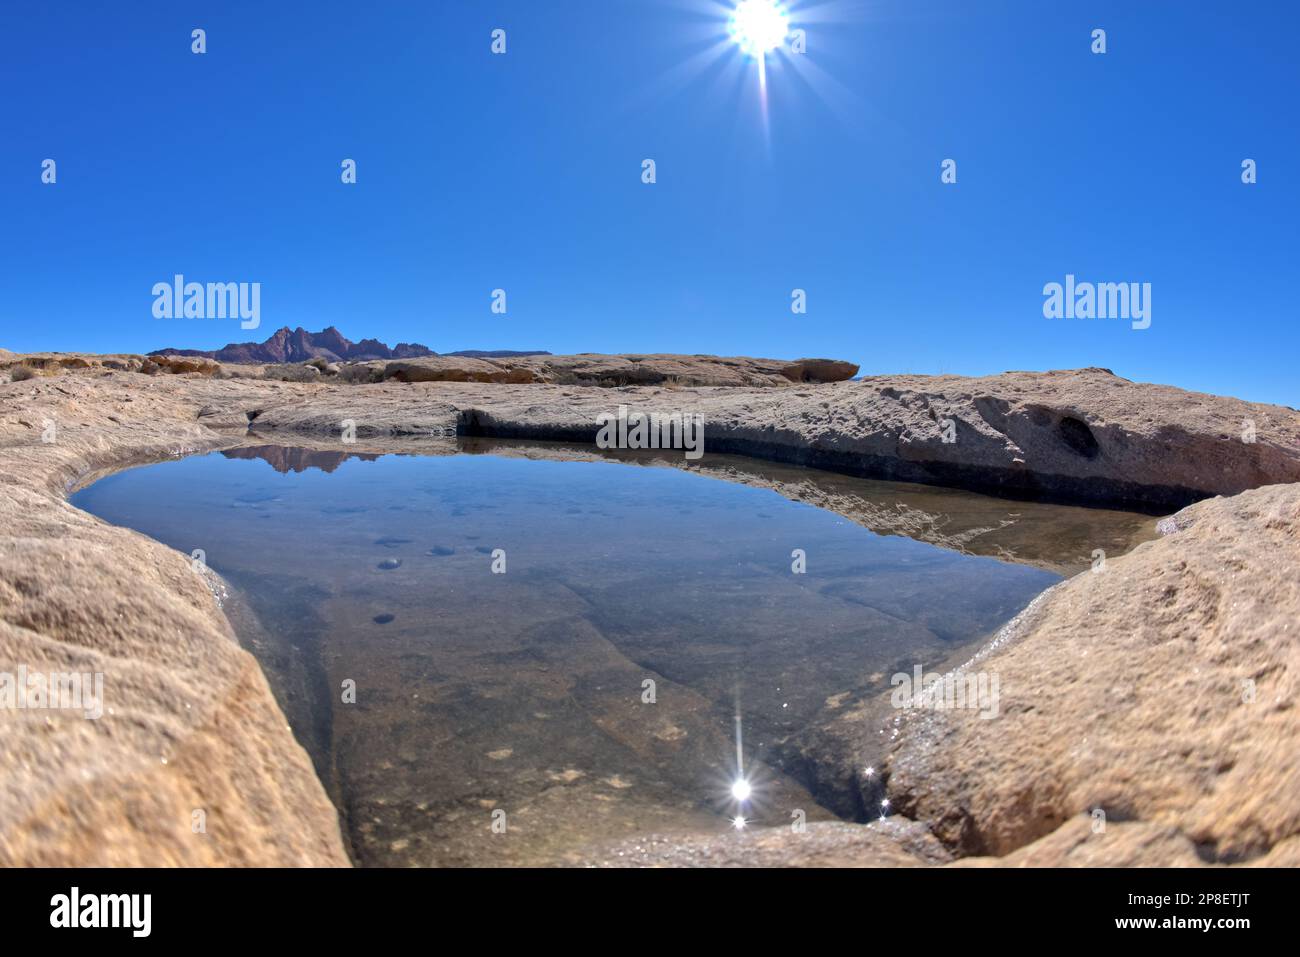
x,y
1161,689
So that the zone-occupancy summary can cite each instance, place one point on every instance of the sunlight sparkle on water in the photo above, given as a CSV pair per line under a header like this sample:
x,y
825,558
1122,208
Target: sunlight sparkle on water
x,y
741,790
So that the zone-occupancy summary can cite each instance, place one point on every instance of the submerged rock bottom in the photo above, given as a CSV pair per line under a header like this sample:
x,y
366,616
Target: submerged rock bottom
x,y
574,666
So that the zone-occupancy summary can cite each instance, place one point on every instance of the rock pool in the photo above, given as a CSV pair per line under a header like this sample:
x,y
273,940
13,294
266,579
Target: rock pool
x,y
501,654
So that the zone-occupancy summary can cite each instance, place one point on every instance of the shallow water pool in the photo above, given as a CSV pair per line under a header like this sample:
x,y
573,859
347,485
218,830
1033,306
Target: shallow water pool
x,y
503,658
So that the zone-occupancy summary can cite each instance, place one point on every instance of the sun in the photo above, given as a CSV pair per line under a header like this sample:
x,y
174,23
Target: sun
x,y
758,26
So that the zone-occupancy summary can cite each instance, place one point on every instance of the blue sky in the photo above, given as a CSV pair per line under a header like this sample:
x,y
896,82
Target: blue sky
x,y
523,172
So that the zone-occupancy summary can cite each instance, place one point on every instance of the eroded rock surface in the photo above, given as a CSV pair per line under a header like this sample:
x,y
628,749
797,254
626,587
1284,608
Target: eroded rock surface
x,y
618,371
191,761
891,843
1124,691
1082,436
1159,690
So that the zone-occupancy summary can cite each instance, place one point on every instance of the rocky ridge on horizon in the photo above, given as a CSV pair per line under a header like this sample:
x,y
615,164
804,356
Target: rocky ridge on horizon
x,y
287,345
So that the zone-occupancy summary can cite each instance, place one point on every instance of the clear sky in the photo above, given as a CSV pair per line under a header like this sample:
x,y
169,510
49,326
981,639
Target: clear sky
x,y
523,171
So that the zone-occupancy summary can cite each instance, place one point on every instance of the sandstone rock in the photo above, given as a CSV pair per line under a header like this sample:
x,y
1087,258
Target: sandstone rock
x,y
890,843
819,370
1159,690
1085,436
447,369
188,722
1121,690
618,371
1079,843
52,363
179,365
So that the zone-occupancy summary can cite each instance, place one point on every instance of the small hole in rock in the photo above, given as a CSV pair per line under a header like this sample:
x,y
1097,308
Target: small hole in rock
x,y
1079,438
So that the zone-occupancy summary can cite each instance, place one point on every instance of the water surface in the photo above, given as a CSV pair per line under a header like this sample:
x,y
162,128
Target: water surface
x,y
502,618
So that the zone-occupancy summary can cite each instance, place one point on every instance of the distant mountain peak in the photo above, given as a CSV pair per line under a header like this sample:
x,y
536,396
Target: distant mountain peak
x,y
298,345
